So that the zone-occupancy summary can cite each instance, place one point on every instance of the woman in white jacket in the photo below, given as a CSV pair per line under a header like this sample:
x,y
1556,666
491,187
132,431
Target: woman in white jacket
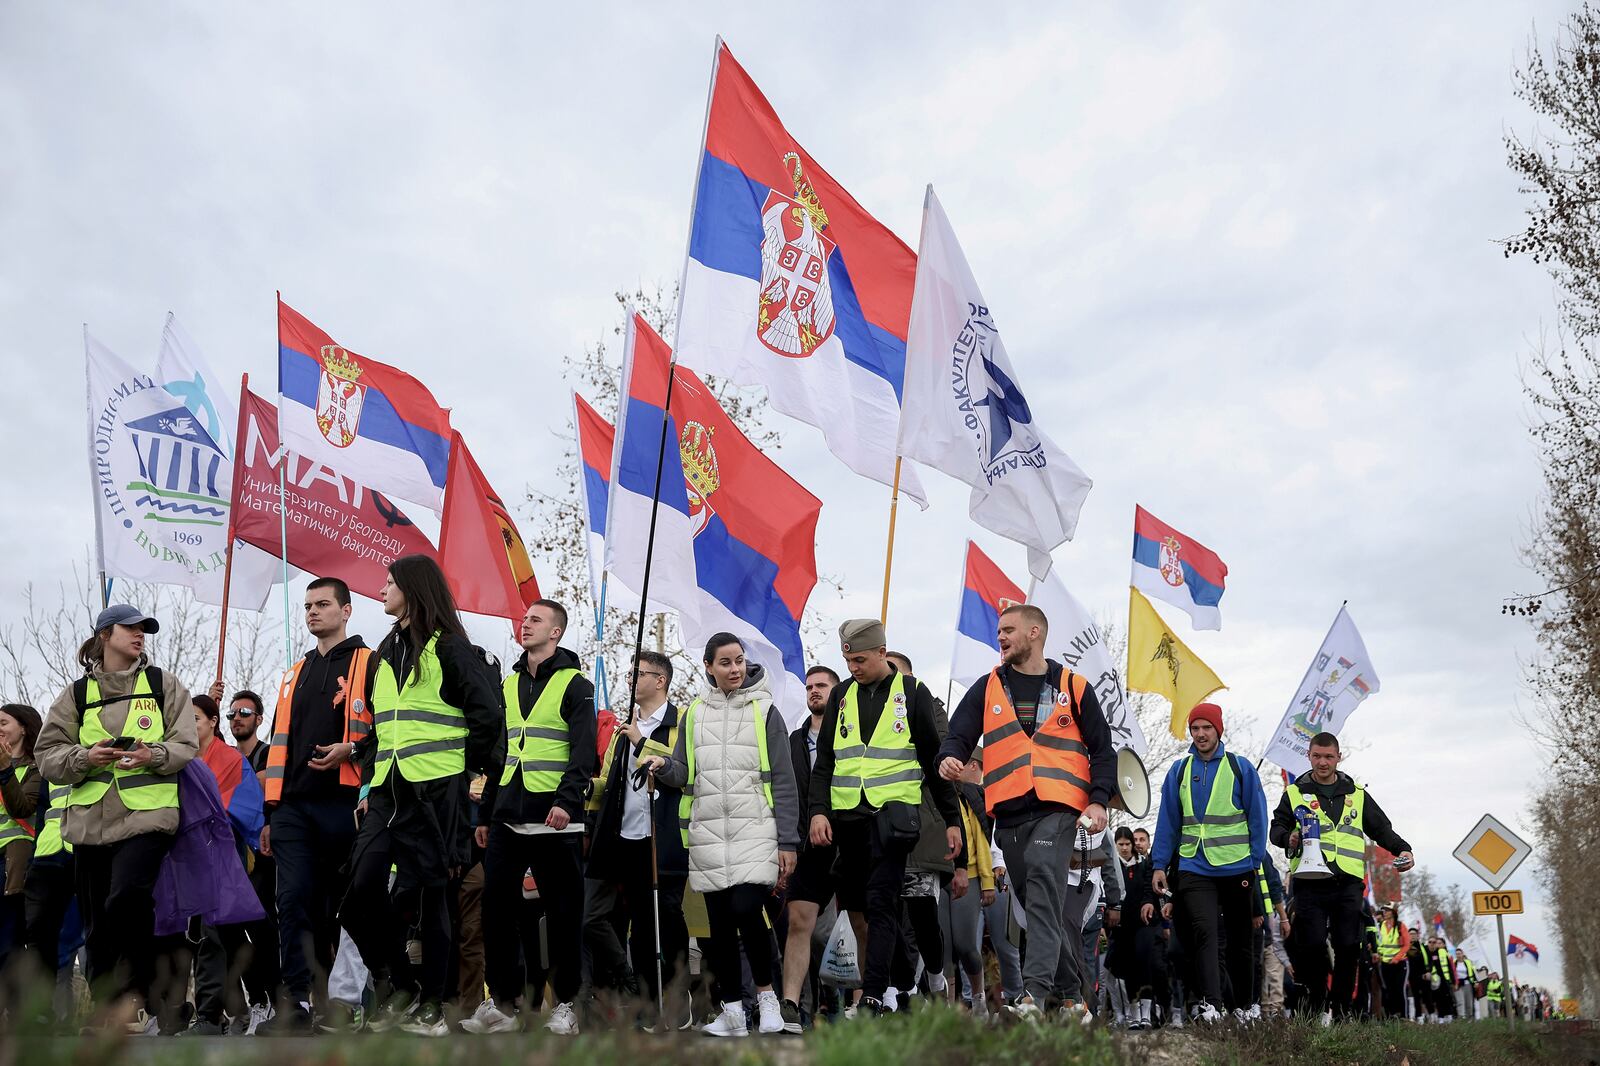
x,y
741,820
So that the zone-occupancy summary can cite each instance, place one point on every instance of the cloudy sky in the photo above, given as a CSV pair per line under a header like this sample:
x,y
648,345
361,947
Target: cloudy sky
x,y
1243,260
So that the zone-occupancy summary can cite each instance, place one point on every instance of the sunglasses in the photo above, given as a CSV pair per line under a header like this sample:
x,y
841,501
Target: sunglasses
x,y
231,715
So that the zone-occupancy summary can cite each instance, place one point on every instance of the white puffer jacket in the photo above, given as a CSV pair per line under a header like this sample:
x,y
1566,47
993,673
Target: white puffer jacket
x,y
733,834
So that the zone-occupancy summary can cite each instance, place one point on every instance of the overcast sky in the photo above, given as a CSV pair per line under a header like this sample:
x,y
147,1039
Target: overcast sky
x,y
1243,260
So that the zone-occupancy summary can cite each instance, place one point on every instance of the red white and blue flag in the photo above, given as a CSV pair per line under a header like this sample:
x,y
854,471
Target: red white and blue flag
x,y
1520,950
1178,569
596,442
791,284
985,592
369,421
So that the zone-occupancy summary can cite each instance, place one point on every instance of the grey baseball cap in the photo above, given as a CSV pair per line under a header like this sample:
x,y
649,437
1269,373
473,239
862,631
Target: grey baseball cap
x,y
125,614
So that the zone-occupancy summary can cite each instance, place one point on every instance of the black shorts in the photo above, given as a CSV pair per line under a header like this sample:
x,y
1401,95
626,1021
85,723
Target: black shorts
x,y
813,880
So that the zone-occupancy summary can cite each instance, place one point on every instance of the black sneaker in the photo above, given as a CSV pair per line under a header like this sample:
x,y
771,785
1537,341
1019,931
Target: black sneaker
x,y
427,1020
202,1027
290,1021
871,1008
397,1008
791,1017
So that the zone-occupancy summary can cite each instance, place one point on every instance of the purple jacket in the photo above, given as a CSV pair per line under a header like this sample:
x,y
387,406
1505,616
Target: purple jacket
x,y
203,873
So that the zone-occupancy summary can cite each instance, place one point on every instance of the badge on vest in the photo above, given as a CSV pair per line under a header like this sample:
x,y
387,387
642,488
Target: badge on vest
x,y
145,722
1063,699
900,725
1064,721
997,708
844,729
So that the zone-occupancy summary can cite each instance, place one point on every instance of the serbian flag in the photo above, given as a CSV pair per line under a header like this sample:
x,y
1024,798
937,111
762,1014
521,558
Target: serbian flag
x,y
985,592
791,284
1180,570
365,419
1520,950
336,526
641,450
480,550
596,441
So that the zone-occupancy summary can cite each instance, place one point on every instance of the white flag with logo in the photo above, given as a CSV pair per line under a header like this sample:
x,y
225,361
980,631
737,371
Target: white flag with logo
x,y
160,456
964,413
1341,676
1075,640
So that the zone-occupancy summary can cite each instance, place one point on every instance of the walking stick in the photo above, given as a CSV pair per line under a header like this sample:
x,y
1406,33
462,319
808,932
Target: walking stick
x,y
655,889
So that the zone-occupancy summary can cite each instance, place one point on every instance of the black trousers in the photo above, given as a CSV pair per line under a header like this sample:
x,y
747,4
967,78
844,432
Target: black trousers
x,y
863,860
556,860
116,884
47,893
260,950
1327,909
640,902
737,916
1394,989
379,920
311,840
1206,908
220,961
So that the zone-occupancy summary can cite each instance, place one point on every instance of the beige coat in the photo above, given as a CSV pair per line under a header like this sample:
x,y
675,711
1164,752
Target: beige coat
x,y
64,761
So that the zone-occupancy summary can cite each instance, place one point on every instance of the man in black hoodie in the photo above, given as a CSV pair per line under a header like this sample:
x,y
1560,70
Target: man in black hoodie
x,y
534,820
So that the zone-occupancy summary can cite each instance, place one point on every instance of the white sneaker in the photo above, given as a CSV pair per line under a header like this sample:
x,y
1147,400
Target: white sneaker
x,y
850,1013
1253,1014
259,1012
489,1018
1205,1012
1027,1010
1326,1019
1073,1011
563,1021
891,999
731,1022
771,1012
937,983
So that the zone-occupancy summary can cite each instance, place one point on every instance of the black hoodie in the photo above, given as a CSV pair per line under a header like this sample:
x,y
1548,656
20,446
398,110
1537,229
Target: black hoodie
x,y
515,805
315,721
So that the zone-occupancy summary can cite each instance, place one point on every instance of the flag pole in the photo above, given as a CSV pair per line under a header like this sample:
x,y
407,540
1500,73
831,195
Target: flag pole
x,y
888,554
233,501
1306,676
94,485
283,499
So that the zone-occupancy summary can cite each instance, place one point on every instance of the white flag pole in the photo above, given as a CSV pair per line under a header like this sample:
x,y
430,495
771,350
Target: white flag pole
x,y
94,482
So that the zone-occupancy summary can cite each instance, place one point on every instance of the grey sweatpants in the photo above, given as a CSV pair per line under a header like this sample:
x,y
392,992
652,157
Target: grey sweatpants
x,y
1037,855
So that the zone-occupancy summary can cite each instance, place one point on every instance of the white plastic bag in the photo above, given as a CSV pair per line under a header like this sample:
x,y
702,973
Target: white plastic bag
x,y
839,967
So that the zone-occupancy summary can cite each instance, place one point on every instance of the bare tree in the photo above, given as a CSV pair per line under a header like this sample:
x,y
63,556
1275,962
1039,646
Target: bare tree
x,y
1559,173
39,650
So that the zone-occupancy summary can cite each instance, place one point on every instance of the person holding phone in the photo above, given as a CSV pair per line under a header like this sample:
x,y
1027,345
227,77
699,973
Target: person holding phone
x,y
118,736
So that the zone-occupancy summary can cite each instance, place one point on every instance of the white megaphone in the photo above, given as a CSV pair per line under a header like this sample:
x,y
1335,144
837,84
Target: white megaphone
x,y
1133,784
1312,866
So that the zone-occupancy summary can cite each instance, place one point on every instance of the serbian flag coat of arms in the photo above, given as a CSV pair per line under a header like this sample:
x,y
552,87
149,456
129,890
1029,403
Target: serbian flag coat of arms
x,y
985,592
368,421
1180,570
790,283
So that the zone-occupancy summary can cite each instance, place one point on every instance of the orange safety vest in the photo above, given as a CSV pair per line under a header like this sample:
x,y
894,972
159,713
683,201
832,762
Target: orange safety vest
x,y
1053,763
352,695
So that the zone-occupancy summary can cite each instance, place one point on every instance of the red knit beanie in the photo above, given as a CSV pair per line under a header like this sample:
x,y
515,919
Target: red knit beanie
x,y
1207,712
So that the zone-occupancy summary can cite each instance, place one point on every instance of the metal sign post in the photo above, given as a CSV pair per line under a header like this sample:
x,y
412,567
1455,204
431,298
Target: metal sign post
x,y
1493,852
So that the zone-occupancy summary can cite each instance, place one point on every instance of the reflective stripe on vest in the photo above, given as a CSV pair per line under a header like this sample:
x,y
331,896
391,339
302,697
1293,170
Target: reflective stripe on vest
x,y
1053,764
351,698
884,769
1344,844
686,801
538,742
417,729
1389,943
140,789
1223,831
49,842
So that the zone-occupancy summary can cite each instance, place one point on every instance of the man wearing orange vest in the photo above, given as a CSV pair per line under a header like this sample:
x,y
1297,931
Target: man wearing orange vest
x,y
311,784
1048,764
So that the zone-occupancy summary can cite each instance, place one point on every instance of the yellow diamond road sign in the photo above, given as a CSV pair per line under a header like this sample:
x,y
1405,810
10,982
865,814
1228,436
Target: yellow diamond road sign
x,y
1492,851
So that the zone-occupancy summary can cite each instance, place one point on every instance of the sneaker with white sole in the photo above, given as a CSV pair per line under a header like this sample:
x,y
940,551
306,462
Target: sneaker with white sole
x,y
771,1012
791,1017
1205,1012
1073,1012
1253,1014
426,1020
731,1022
1025,1009
489,1018
563,1021
850,1013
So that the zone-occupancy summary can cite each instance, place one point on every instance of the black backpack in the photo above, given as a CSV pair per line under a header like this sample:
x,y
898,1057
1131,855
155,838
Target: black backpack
x,y
80,692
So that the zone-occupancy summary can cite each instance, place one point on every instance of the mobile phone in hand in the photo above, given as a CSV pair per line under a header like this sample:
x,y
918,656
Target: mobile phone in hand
x,y
124,743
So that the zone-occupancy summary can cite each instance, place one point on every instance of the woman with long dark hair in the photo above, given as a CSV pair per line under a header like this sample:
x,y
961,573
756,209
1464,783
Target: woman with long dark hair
x,y
742,822
436,716
118,737
19,797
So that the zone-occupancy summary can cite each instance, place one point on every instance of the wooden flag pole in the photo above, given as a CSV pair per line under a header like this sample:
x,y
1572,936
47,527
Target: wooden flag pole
x,y
233,499
888,554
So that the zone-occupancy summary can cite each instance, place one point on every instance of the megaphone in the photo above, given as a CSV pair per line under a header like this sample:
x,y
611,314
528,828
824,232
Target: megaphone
x,y
1133,784
1312,866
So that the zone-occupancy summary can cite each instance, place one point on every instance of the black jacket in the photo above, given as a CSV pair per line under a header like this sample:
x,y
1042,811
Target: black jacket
x,y
515,805
966,727
314,721
800,755
672,858
925,735
1373,821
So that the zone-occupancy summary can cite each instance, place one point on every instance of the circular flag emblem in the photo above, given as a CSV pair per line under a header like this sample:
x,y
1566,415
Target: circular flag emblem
x,y
1064,721
144,721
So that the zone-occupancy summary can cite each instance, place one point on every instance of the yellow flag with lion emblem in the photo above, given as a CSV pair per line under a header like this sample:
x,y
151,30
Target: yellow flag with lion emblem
x,y
1161,663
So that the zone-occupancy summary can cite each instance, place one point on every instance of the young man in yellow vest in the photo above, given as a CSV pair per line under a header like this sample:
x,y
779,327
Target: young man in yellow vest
x,y
310,779
1048,765
879,741
533,819
1329,908
1211,839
